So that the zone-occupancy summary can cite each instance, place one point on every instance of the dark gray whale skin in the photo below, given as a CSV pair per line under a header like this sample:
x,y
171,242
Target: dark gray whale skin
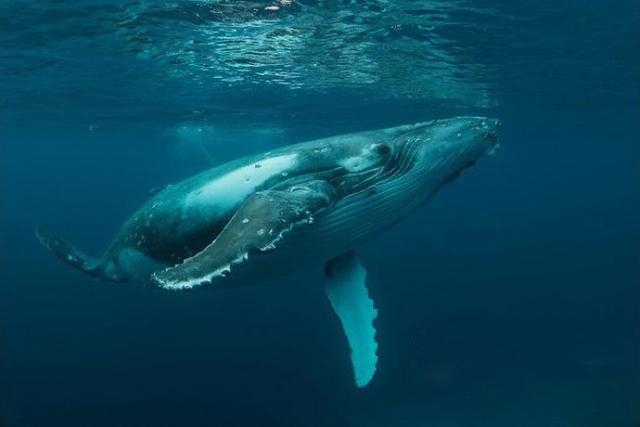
x,y
337,191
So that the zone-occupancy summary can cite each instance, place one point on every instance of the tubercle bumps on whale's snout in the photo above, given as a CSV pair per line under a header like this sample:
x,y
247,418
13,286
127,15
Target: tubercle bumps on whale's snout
x,y
467,137
489,132
441,149
476,136
482,127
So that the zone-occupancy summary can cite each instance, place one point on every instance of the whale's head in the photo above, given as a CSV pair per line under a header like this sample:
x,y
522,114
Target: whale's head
x,y
441,149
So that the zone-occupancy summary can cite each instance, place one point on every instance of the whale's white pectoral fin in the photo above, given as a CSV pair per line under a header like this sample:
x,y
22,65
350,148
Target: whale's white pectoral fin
x,y
257,226
350,300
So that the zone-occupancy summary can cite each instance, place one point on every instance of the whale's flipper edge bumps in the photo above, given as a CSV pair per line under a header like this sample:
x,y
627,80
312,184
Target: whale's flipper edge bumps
x,y
346,290
257,226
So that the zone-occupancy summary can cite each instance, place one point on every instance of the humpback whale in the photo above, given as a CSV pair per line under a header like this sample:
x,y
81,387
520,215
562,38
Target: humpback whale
x,y
308,205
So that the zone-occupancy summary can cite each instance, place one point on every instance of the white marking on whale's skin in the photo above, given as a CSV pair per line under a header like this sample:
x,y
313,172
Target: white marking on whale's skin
x,y
207,278
365,159
232,188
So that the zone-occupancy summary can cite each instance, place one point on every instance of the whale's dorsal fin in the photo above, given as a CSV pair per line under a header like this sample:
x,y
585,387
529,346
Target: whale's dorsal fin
x,y
350,300
257,226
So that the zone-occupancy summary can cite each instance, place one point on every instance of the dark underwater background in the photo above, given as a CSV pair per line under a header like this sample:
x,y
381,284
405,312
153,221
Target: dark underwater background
x,y
510,300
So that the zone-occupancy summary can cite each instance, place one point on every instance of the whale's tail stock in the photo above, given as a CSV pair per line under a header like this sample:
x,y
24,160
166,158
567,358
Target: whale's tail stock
x,y
68,253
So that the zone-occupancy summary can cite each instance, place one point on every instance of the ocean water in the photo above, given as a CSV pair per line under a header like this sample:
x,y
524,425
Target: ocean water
x,y
510,299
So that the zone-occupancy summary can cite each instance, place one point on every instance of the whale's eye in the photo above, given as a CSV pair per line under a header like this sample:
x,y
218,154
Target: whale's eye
x,y
383,149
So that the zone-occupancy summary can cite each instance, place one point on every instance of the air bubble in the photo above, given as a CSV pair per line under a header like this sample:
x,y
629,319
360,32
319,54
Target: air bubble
x,y
246,220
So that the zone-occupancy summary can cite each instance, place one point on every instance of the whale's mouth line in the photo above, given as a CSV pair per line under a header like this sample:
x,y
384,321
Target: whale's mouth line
x,y
489,151
455,174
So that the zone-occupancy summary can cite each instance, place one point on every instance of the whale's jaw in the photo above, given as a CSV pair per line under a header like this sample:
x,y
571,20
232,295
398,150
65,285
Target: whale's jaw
x,y
448,146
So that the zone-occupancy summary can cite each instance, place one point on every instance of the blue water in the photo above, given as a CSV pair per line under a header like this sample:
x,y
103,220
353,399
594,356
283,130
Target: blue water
x,y
511,299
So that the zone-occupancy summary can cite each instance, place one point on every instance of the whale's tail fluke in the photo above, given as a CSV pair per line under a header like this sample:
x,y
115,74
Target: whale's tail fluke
x,y
68,253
